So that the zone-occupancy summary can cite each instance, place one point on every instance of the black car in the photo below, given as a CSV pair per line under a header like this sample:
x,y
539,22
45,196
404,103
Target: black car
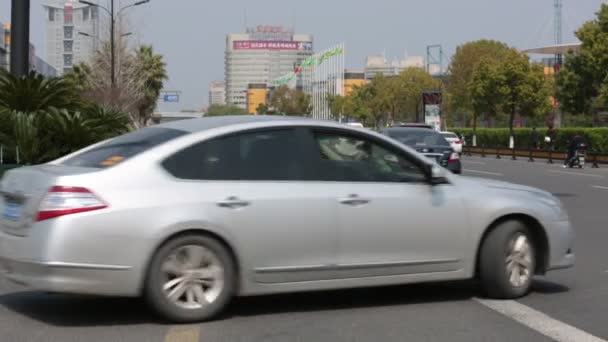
x,y
428,142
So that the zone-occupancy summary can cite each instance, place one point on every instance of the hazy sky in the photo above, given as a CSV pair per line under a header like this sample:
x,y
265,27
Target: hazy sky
x,y
191,33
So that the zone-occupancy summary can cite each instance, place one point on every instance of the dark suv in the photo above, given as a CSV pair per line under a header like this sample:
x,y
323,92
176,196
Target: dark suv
x,y
428,142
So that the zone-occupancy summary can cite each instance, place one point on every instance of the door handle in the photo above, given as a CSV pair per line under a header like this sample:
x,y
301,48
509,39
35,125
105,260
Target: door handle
x,y
354,200
232,203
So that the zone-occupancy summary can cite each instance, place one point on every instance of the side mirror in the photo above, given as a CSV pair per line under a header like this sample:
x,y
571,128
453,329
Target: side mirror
x,y
436,175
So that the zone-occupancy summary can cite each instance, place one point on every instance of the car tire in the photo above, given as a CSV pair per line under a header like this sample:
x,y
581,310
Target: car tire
x,y
175,260
506,265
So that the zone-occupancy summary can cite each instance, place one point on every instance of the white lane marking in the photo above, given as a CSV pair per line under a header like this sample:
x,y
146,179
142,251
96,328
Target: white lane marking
x,y
600,187
472,162
538,321
484,172
575,174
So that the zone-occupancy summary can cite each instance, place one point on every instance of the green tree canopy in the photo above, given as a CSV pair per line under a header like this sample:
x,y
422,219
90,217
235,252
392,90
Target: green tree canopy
x,y
287,101
582,83
463,66
220,110
511,86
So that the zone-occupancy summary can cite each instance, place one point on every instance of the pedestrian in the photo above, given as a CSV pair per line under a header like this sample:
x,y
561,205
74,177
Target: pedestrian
x,y
550,138
535,139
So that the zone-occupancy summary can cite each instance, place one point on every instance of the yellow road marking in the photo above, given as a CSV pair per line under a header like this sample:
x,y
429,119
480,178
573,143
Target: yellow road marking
x,y
183,334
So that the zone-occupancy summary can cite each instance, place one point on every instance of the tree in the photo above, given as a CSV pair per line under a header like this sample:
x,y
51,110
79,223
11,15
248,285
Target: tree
x,y
287,101
34,92
219,110
512,86
462,68
412,82
582,83
153,74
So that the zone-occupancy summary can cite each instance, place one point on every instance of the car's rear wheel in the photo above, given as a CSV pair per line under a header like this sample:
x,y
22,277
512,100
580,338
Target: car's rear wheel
x,y
507,261
191,279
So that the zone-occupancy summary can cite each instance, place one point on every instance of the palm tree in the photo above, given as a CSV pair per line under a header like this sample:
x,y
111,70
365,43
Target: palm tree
x,y
153,74
34,92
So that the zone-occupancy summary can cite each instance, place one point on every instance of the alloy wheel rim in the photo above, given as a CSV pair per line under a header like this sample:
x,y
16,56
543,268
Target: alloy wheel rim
x,y
519,261
192,277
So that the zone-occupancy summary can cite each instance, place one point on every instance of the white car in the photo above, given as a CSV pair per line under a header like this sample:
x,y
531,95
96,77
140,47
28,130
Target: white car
x,y
454,141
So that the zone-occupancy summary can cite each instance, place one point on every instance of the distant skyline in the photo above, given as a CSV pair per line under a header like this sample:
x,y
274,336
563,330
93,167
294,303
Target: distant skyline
x,y
191,34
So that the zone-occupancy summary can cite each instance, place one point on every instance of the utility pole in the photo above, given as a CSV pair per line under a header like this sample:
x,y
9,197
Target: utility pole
x,y
20,37
112,52
557,28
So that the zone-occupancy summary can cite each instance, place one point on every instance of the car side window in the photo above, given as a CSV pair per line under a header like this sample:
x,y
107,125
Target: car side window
x,y
257,156
355,159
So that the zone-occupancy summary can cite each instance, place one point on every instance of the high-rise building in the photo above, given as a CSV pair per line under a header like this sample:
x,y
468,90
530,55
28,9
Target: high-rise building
x,y
262,55
35,62
217,93
64,20
380,65
5,42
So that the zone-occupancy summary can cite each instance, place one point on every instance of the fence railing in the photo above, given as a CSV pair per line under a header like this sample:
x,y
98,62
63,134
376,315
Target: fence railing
x,y
595,159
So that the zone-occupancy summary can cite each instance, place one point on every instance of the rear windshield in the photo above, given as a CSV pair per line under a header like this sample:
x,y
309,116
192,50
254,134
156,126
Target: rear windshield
x,y
450,135
418,137
123,147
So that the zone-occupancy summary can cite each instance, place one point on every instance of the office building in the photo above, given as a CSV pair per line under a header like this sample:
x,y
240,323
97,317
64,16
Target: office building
x,y
35,62
217,93
380,65
5,46
262,55
257,94
64,20
352,80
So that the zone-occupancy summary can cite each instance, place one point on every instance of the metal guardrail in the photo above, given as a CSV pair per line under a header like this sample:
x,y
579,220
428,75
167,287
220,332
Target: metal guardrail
x,y
594,158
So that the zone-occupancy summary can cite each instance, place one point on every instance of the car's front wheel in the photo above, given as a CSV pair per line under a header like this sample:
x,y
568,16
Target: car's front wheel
x,y
190,279
507,261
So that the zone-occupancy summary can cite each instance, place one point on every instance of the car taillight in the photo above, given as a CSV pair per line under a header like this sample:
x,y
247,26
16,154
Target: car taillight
x,y
457,142
454,157
67,200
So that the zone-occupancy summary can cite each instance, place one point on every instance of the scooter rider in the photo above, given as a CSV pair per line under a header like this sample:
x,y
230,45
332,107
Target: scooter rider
x,y
574,145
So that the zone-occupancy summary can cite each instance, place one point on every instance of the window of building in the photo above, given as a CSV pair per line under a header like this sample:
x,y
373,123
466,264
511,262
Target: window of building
x,y
68,60
85,14
68,45
51,14
256,156
68,32
94,13
345,158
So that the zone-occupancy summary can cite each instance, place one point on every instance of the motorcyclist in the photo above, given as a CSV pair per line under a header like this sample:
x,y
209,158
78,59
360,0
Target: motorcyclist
x,y
575,144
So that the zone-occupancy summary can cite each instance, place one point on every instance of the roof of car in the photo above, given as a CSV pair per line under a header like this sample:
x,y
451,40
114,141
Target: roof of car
x,y
206,123
409,129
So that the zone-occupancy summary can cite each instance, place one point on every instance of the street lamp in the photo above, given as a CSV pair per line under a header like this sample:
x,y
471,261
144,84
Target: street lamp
x,y
112,23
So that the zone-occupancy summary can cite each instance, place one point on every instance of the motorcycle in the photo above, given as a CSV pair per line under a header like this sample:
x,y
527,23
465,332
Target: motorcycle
x,y
578,160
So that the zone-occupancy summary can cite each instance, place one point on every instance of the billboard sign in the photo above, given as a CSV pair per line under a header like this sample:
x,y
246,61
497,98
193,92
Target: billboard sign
x,y
432,108
270,45
171,98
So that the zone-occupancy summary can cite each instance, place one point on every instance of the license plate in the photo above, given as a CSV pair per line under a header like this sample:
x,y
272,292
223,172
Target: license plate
x,y
12,211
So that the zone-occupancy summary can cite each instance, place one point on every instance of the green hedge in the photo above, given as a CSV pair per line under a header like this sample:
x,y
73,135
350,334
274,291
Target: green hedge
x,y
597,138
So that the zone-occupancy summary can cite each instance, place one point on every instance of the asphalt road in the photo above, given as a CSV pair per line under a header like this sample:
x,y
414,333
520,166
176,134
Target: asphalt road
x,y
570,305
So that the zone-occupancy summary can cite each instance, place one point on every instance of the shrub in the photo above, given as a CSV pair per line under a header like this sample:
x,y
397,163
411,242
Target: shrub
x,y
597,138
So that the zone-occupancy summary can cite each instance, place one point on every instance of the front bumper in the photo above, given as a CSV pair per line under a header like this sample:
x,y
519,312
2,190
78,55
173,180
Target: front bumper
x,y
561,244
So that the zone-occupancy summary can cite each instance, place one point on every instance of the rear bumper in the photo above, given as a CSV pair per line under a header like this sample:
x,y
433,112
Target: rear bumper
x,y
67,278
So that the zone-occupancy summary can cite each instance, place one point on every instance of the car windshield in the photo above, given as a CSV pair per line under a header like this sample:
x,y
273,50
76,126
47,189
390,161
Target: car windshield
x,y
122,148
418,137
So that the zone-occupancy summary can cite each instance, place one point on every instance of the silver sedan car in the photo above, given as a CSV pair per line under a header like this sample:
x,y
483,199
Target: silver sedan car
x,y
191,213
